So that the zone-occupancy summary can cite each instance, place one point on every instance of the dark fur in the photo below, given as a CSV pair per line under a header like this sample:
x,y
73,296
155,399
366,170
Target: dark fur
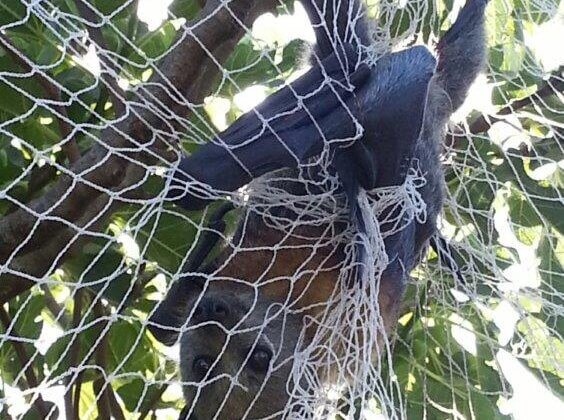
x,y
403,103
227,328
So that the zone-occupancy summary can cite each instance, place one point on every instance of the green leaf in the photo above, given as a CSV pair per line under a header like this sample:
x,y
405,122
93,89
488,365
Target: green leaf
x,y
154,43
186,9
129,349
248,65
537,12
104,269
135,392
79,81
12,102
169,237
12,11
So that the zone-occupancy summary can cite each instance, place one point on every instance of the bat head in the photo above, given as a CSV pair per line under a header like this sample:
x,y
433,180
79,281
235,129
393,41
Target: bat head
x,y
236,355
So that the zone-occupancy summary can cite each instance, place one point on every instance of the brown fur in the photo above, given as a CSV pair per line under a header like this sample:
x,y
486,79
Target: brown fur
x,y
300,269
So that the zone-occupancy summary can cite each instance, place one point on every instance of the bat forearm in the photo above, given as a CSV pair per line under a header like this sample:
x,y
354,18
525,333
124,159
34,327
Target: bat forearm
x,y
337,22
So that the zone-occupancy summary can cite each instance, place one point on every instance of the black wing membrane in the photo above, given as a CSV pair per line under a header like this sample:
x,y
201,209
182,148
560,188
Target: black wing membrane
x,y
336,67
326,104
291,126
399,96
395,101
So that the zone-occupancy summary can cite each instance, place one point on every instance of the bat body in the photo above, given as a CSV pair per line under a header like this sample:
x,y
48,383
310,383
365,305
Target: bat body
x,y
373,122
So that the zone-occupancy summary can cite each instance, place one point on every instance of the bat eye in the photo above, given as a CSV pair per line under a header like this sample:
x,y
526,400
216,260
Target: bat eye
x,y
201,366
260,359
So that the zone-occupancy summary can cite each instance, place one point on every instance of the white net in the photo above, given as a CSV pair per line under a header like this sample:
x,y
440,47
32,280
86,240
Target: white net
x,y
279,293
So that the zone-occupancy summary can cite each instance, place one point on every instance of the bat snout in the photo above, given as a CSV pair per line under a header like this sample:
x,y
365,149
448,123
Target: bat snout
x,y
212,309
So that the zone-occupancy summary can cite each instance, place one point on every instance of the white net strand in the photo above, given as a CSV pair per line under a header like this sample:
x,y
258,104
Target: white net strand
x,y
85,79
351,331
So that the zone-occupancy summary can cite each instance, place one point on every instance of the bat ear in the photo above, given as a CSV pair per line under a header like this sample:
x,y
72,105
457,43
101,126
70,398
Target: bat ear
x,y
164,324
172,311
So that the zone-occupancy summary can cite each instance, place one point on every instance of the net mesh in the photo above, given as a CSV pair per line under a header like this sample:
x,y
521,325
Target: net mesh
x,y
98,101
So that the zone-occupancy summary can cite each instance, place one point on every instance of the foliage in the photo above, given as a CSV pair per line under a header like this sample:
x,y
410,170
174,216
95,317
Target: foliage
x,y
516,176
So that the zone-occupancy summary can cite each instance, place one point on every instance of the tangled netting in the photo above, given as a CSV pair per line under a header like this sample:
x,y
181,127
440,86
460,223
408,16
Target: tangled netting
x,y
99,99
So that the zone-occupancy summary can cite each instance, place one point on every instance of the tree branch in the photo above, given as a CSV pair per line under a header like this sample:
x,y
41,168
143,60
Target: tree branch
x,y
101,387
481,124
152,402
74,354
76,398
70,148
217,31
115,408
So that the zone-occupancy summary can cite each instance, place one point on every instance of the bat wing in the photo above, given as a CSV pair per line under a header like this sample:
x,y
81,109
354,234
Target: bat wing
x,y
288,128
395,102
